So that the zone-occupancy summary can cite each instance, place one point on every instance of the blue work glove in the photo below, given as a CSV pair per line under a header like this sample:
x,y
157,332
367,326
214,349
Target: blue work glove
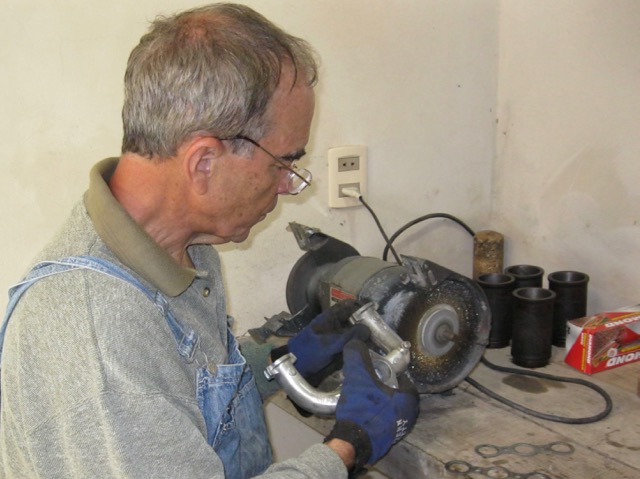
x,y
370,415
323,339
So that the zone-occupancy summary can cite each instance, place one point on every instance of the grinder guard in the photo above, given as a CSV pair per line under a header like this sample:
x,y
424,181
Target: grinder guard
x,y
444,315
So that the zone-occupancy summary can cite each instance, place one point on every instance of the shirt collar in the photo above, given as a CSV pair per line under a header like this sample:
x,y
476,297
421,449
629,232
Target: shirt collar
x,y
128,241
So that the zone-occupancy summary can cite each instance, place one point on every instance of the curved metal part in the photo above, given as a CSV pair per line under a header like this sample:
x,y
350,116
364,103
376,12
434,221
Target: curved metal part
x,y
387,367
397,351
299,390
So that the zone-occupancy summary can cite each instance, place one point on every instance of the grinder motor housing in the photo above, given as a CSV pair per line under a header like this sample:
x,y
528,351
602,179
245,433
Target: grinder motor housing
x,y
442,314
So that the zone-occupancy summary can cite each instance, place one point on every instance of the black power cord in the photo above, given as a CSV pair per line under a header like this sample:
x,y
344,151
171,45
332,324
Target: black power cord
x,y
382,232
430,216
549,417
355,193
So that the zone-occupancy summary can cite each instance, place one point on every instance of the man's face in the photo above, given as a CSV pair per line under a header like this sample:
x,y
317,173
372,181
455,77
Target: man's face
x,y
247,189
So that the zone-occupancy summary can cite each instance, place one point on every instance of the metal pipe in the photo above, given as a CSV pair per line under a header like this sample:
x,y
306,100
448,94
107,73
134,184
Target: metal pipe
x,y
397,351
395,362
299,390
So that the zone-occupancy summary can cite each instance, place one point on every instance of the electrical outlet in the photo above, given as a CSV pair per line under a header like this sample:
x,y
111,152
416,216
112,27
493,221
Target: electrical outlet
x,y
348,163
347,169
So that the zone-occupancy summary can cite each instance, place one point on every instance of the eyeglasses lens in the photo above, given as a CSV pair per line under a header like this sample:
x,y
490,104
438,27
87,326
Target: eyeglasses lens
x,y
298,181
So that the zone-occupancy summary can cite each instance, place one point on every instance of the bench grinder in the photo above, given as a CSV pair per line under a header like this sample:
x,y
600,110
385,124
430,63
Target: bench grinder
x,y
442,314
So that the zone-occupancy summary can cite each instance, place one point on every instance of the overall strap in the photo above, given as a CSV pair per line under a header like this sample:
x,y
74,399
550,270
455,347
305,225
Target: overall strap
x,y
186,339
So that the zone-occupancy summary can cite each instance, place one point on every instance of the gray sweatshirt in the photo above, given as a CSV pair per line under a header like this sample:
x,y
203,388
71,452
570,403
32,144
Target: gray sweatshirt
x,y
91,382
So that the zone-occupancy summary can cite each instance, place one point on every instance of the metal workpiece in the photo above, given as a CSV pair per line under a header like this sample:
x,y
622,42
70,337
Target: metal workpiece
x,y
397,351
381,334
322,403
393,360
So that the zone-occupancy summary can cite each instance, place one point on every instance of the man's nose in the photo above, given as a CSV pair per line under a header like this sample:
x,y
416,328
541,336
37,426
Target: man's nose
x,y
283,185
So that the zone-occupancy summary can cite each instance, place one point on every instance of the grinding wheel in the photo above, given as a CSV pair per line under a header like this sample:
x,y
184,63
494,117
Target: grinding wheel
x,y
300,291
448,328
302,284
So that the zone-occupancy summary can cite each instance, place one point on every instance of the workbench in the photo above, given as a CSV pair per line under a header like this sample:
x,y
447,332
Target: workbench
x,y
458,430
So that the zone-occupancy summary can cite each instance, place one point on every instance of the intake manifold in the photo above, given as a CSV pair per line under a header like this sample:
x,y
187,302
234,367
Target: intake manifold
x,y
393,361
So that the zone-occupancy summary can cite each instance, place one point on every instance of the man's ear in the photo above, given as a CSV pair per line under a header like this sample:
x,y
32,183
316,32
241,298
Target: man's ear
x,y
200,154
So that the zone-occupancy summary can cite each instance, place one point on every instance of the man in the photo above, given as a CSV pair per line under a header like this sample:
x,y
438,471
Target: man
x,y
117,356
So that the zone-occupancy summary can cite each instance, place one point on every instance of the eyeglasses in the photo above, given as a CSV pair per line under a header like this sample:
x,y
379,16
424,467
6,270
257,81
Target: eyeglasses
x,y
297,178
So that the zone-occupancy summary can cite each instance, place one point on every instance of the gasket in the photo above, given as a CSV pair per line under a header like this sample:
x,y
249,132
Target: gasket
x,y
561,448
493,472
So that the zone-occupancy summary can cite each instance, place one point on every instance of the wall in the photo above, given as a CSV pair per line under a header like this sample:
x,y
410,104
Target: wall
x,y
565,187
414,81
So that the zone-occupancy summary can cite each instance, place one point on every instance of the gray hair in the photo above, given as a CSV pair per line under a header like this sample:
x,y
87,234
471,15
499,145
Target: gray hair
x,y
210,70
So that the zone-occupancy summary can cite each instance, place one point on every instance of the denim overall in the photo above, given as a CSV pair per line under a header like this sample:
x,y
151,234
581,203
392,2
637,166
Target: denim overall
x,y
226,393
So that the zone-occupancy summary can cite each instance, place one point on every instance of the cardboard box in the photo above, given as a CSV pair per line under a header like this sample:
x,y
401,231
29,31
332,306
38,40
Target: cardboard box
x,y
604,341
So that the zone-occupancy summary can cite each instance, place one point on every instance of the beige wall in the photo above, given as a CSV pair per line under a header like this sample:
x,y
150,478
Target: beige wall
x,y
565,189
415,81
514,115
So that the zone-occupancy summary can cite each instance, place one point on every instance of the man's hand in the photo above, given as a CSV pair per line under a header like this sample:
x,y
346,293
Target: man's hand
x,y
318,344
371,415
